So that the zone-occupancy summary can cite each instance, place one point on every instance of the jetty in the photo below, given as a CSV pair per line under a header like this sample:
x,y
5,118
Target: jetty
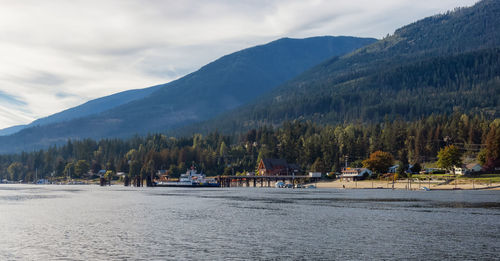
x,y
262,181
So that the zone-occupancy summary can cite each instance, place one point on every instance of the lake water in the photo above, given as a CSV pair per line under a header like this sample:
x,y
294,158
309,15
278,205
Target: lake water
x,y
118,223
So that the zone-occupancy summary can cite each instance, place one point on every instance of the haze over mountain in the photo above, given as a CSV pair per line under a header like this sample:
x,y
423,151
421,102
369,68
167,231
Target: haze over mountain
x,y
222,85
438,65
91,107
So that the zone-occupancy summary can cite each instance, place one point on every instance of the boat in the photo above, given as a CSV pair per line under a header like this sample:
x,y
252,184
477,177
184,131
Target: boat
x,y
190,179
425,188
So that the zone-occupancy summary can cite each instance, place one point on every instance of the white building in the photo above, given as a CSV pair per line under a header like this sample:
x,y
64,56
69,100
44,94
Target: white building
x,y
352,174
315,174
468,169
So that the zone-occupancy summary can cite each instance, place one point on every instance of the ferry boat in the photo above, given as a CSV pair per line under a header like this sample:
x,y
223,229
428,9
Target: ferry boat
x,y
191,179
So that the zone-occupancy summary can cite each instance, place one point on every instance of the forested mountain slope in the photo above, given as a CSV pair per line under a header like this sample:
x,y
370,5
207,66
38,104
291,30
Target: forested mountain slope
x,y
222,85
441,64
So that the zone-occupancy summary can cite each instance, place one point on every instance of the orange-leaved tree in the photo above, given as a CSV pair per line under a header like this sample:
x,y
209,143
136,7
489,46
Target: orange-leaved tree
x,y
379,162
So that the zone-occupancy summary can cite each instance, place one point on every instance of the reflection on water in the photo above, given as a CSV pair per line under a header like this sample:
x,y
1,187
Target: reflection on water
x,y
117,223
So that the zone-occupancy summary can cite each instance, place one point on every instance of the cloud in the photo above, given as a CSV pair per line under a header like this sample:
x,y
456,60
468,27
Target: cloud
x,y
10,99
58,54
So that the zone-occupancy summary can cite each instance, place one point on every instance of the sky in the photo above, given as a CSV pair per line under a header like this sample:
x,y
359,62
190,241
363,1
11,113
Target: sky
x,y
58,54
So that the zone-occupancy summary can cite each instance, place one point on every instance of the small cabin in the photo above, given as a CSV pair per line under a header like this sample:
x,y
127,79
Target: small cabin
x,y
393,169
468,169
473,167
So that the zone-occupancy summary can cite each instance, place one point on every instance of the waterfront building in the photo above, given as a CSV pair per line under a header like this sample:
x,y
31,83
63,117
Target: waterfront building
x,y
276,167
352,174
468,169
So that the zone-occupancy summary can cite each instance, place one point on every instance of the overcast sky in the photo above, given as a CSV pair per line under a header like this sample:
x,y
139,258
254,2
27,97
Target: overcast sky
x,y
57,54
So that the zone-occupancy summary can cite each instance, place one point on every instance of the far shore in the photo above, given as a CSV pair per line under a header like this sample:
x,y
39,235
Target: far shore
x,y
405,184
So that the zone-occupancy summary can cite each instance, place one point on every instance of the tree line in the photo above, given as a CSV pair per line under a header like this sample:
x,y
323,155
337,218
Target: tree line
x,y
312,146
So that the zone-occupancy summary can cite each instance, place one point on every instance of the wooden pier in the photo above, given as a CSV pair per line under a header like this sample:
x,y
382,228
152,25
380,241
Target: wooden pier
x,y
261,181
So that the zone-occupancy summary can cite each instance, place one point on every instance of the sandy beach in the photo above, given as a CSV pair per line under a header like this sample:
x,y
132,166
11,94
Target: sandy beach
x,y
405,184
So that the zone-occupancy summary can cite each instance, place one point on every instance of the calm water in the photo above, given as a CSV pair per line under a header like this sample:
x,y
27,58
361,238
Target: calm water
x,y
117,223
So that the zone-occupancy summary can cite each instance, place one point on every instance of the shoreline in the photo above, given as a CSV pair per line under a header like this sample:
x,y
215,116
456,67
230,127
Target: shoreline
x,y
406,185
365,184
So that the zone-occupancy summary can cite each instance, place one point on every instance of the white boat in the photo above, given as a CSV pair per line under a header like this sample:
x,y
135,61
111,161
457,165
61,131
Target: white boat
x,y
191,179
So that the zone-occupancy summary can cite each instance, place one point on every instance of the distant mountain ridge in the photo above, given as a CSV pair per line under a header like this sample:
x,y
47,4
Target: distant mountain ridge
x,y
224,84
440,64
228,83
12,129
88,108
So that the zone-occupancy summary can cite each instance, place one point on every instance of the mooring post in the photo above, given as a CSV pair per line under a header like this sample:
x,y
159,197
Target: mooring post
x,y
149,181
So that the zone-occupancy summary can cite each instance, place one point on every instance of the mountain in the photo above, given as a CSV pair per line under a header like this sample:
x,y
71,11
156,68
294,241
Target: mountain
x,y
89,108
222,85
12,129
438,65
227,83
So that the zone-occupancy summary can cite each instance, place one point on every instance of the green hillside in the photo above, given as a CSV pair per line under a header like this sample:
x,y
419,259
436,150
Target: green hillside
x,y
441,64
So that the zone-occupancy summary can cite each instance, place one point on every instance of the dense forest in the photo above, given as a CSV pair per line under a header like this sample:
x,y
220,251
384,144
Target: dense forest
x,y
312,146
